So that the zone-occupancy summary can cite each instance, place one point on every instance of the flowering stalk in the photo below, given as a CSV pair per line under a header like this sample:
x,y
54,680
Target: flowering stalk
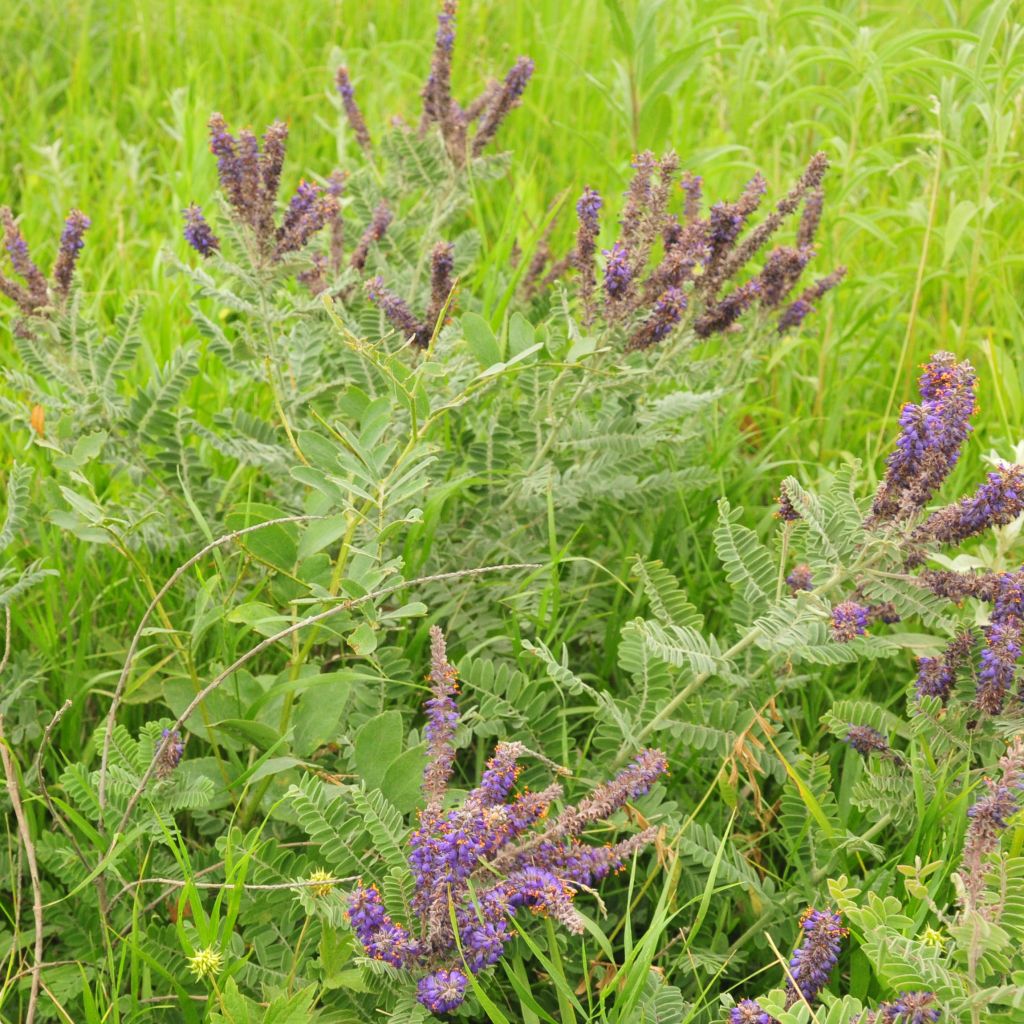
x,y
353,114
478,863
814,959
997,502
504,101
374,232
931,437
990,816
37,294
588,213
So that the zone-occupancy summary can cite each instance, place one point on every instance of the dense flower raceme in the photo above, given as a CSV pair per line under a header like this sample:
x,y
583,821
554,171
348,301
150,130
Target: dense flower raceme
x,y
932,435
396,310
849,620
249,170
488,111
483,860
37,294
810,967
989,817
910,1008
666,262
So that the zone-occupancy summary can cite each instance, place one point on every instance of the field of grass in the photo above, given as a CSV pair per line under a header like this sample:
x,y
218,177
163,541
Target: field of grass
x,y
639,609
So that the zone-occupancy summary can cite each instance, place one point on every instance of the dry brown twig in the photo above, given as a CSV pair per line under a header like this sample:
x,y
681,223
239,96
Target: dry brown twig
x,y
11,775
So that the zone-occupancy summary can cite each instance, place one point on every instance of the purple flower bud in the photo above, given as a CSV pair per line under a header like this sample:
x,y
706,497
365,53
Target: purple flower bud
x,y
849,620
749,1012
374,233
198,233
588,214
36,295
782,269
442,264
795,314
442,718
866,740
308,211
990,816
721,315
693,187
169,757
397,311
786,511
800,578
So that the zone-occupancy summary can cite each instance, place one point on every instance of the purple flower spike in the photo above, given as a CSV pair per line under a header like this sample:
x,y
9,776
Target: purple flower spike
x,y
721,315
937,676
36,294
798,311
482,861
381,937
990,816
663,320
442,718
442,991
442,266
505,100
816,956
308,211
1003,638
374,232
693,188
782,270
931,437
72,241
397,311
996,503
910,1008
353,114
849,620
588,209
198,233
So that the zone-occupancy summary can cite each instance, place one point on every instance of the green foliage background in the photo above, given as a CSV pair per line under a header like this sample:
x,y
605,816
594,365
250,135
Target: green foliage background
x,y
104,106
917,104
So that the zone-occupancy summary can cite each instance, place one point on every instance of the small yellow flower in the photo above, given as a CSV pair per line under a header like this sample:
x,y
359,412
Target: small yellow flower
x,y
206,963
320,876
932,937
